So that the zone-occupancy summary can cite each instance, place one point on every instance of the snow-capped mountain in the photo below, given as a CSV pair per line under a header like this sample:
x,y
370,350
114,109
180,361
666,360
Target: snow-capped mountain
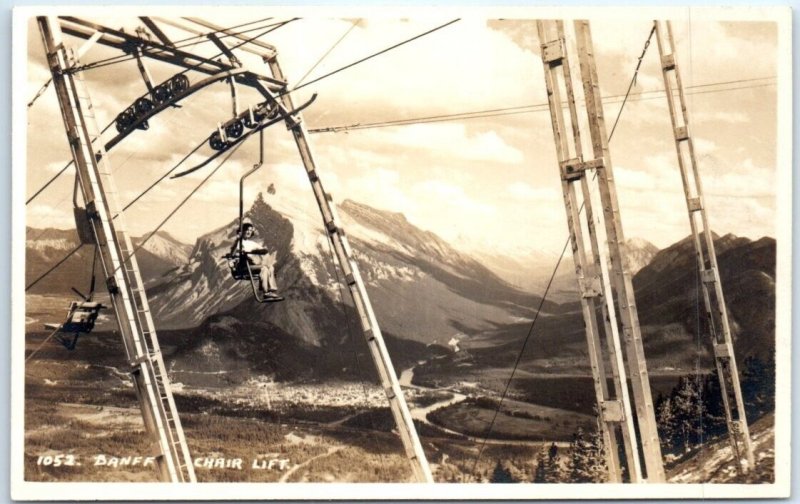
x,y
421,288
425,293
45,247
639,252
165,247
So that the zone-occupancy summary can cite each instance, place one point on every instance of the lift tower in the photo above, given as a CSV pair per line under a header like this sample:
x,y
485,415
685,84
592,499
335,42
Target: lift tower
x,y
601,264
123,280
274,88
717,323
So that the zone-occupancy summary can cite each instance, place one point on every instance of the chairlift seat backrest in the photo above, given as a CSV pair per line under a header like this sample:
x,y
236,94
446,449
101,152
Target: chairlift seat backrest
x,y
82,316
239,268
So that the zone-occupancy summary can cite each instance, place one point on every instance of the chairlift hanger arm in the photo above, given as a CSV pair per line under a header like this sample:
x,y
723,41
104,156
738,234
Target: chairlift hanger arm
x,y
249,172
282,116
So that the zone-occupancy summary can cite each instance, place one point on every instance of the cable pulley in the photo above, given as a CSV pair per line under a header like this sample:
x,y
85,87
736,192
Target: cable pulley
x,y
221,142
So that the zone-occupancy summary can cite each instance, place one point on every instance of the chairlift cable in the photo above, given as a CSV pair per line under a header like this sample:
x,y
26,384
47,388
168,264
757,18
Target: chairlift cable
x,y
124,58
538,107
519,356
94,276
52,179
161,178
633,80
40,92
362,60
175,210
62,170
315,65
41,345
223,31
59,263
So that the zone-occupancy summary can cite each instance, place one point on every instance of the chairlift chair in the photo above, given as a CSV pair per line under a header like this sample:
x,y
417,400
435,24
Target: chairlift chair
x,y
81,318
238,262
81,314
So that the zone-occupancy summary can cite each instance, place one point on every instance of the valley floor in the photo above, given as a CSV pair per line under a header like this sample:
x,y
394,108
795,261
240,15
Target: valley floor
x,y
82,423
99,436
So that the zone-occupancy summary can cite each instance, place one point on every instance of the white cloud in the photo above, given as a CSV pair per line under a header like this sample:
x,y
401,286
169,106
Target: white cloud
x,y
41,216
631,179
380,188
523,191
720,115
452,196
450,140
703,146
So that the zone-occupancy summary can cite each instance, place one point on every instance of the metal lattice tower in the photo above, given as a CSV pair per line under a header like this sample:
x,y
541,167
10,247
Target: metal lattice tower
x,y
601,265
123,279
274,88
717,322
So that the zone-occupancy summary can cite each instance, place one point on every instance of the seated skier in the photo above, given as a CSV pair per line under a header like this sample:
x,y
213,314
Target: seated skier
x,y
255,253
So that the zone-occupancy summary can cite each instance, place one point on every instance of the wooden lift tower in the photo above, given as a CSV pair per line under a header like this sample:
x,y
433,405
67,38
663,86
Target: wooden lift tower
x,y
717,322
598,251
123,278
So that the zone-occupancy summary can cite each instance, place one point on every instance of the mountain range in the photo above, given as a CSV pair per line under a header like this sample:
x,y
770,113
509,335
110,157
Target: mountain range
x,y
45,247
425,294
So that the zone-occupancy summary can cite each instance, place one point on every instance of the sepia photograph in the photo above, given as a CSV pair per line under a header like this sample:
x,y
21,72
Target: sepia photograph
x,y
298,253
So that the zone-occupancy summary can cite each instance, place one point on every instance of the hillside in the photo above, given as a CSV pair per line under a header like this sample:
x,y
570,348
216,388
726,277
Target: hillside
x,y
424,292
45,247
713,462
669,314
670,310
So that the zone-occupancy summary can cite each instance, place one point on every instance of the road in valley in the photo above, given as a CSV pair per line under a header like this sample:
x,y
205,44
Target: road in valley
x,y
421,413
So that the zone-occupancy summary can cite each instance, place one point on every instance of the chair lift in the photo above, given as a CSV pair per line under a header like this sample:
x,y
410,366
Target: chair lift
x,y
240,266
81,316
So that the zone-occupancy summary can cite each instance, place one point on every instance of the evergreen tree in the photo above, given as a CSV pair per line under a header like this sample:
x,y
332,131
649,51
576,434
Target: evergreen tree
x,y
758,385
688,413
501,474
714,422
579,458
665,419
598,468
540,474
587,458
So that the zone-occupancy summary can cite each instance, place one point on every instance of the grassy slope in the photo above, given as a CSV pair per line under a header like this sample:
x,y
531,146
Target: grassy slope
x,y
713,463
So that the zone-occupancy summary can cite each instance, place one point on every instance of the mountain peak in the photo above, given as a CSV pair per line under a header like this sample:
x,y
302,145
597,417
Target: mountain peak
x,y
640,253
353,206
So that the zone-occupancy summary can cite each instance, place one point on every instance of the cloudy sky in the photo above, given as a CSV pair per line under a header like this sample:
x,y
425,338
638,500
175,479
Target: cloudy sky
x,y
486,183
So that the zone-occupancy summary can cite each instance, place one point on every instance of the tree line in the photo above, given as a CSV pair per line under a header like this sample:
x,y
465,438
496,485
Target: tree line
x,y
690,415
